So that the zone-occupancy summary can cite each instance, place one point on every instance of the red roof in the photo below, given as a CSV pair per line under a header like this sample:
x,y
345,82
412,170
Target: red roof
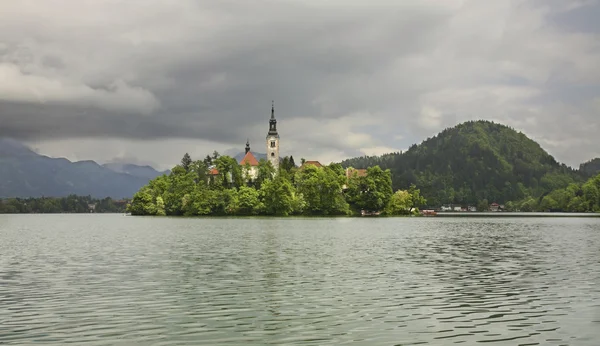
x,y
213,171
495,204
250,159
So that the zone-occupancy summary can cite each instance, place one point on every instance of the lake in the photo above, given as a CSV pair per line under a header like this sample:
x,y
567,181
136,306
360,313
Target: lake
x,y
121,280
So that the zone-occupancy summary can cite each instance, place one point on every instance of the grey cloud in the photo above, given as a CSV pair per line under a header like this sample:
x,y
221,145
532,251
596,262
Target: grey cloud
x,y
208,70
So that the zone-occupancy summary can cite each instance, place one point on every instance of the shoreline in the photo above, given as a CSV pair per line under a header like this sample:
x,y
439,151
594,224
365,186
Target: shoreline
x,y
514,214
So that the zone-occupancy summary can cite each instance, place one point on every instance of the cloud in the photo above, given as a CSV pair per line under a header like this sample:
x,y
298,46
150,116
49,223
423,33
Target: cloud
x,y
118,96
348,78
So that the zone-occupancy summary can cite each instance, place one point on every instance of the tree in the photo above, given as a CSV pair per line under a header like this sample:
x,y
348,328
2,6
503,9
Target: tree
x,y
483,205
400,204
200,170
528,204
266,171
230,171
321,190
417,201
278,196
186,162
160,206
371,192
248,201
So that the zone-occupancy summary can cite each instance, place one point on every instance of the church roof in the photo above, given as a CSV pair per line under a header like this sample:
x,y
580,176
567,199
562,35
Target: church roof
x,y
250,159
213,171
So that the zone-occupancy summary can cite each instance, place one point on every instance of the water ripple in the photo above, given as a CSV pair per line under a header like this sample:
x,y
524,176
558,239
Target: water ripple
x,y
115,280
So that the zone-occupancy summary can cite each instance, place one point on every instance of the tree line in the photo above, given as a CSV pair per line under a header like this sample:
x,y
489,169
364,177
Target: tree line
x,y
69,204
191,190
575,197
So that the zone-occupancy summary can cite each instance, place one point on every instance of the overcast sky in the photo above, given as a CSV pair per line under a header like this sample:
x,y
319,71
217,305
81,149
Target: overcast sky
x,y
146,81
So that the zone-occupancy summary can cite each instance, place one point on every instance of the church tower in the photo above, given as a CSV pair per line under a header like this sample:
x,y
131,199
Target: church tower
x,y
273,140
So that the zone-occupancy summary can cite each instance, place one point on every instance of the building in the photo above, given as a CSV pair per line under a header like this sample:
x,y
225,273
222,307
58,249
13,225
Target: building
x,y
249,164
273,140
472,208
353,171
445,208
494,207
249,160
350,172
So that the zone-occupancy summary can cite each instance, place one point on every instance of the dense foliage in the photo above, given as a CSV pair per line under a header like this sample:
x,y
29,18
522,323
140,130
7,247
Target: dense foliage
x,y
573,198
472,162
590,168
191,190
70,204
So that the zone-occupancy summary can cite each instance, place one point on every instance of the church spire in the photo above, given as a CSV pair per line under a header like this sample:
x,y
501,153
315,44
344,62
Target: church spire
x,y
273,140
247,145
273,121
272,109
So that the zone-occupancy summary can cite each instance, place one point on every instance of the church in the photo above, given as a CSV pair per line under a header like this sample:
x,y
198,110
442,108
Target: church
x,y
272,143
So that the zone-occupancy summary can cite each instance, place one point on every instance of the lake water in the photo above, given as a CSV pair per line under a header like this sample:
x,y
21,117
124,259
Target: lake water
x,y
120,280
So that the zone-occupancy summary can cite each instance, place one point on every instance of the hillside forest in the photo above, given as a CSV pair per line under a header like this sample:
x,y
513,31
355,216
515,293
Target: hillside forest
x,y
481,162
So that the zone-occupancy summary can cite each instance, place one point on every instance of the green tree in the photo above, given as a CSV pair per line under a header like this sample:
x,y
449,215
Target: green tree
x,y
230,171
160,206
400,204
321,190
371,192
278,196
249,201
186,162
266,171
483,205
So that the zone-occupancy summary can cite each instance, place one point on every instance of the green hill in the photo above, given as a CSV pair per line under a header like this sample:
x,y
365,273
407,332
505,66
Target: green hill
x,y
590,168
473,161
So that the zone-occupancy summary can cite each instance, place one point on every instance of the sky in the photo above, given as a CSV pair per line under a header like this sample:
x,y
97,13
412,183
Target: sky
x,y
145,81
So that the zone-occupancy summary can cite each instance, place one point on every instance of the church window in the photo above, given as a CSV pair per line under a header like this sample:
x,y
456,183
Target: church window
x,y
272,144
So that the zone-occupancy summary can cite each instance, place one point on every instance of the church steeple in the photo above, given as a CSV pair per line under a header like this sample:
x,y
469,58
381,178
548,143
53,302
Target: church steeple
x,y
272,109
273,121
273,140
247,146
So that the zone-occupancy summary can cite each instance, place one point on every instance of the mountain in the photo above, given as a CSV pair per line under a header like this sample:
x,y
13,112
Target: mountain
x,y
473,161
590,168
239,156
135,170
24,173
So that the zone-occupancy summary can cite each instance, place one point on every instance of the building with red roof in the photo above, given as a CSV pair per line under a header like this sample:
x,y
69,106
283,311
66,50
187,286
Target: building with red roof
x,y
249,164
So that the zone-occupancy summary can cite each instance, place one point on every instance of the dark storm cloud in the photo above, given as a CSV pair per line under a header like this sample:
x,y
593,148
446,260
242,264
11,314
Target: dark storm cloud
x,y
346,77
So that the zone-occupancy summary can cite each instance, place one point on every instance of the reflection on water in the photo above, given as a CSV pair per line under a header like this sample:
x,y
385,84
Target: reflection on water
x,y
115,280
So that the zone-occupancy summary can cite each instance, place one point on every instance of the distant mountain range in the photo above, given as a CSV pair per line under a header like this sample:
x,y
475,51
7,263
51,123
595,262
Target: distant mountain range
x,y
24,173
239,156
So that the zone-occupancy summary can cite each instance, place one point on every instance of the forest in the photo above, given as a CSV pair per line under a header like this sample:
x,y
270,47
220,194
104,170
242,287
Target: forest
x,y
69,204
475,162
191,190
576,197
